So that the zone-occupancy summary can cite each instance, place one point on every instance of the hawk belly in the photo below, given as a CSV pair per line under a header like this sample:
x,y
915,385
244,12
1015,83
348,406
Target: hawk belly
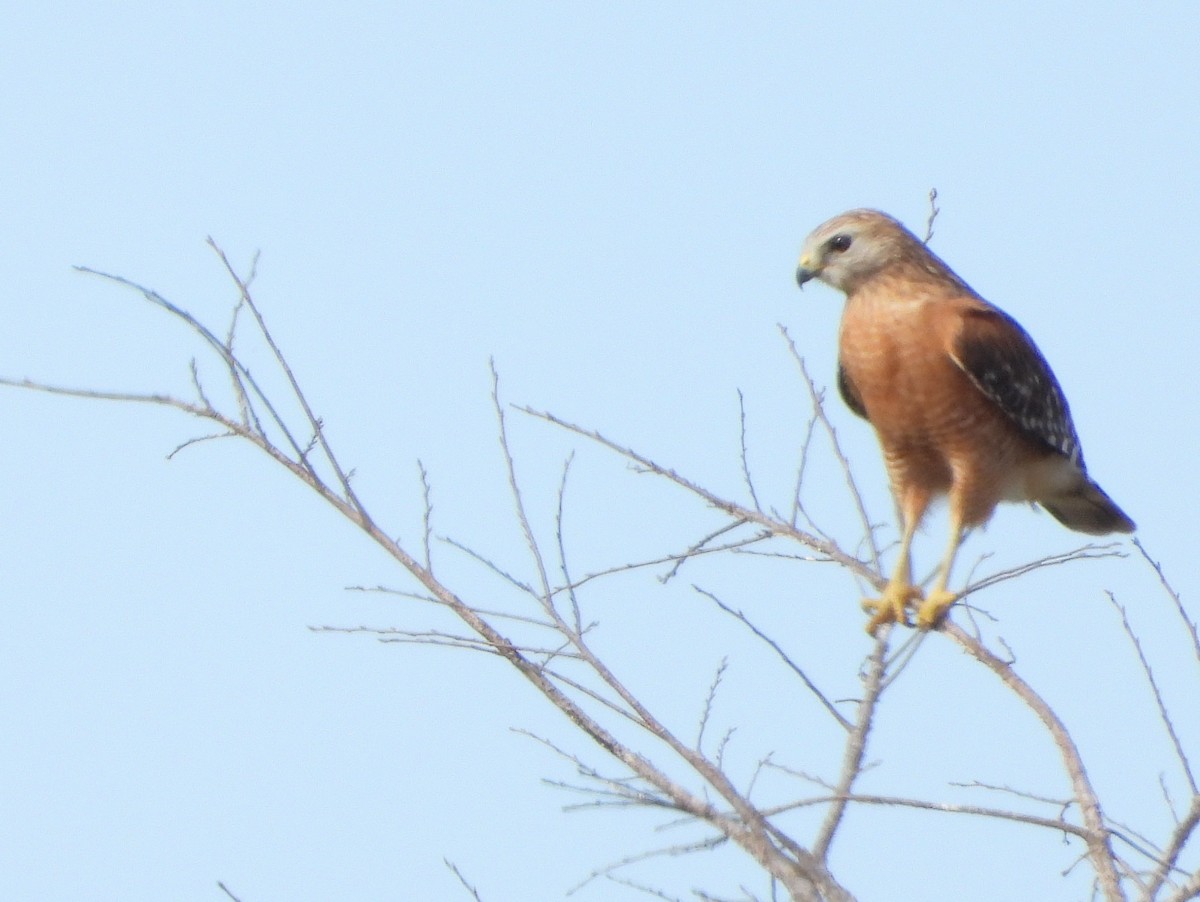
x,y
939,433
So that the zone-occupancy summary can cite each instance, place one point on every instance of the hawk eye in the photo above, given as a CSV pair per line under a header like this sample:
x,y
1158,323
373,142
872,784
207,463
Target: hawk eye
x,y
840,243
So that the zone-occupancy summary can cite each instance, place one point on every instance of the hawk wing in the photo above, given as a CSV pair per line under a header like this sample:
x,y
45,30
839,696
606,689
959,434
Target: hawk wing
x,y
849,393
1003,362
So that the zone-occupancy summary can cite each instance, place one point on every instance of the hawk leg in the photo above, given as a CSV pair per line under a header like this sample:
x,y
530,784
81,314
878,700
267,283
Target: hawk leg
x,y
899,594
932,611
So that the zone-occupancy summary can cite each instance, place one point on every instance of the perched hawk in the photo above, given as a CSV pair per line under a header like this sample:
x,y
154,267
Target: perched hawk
x,y
963,402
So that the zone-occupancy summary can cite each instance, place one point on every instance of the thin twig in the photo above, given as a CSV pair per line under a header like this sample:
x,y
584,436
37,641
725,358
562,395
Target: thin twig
x,y
576,616
1064,804
783,656
239,371
463,880
641,888
1089,552
426,516
798,508
818,408
493,566
235,378
709,699
430,599
1020,817
546,594
200,439
671,851
195,373
1189,623
398,635
704,546
934,210
1164,715
318,431
744,456
775,526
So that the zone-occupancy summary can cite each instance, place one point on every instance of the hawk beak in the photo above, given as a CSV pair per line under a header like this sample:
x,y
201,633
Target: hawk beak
x,y
804,274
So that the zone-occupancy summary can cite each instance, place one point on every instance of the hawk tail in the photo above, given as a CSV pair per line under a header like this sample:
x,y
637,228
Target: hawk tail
x,y
1086,508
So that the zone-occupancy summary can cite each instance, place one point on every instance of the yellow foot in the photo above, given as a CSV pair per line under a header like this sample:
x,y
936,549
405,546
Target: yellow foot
x,y
892,606
932,610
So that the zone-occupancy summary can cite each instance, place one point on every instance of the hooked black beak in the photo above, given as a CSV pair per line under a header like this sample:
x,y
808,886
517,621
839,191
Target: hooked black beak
x,y
804,274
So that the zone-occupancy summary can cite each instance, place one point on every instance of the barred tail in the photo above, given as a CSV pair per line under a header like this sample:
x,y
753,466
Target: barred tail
x,y
1087,509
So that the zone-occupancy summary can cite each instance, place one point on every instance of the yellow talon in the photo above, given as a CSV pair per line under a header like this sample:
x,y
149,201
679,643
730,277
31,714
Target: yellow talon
x,y
899,595
934,608
892,606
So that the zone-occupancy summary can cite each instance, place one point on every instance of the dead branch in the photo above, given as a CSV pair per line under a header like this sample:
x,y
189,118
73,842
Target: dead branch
x,y
856,746
545,635
1188,622
934,210
1164,715
817,401
1097,835
783,656
463,880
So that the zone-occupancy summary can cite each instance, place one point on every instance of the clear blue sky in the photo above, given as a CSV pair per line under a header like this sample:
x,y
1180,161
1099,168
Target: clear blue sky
x,y
608,199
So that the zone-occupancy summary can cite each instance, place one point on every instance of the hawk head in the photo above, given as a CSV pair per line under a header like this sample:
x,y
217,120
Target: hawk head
x,y
848,249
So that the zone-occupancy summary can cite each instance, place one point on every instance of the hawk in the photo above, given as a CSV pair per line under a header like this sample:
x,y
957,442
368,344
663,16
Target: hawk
x,y
962,401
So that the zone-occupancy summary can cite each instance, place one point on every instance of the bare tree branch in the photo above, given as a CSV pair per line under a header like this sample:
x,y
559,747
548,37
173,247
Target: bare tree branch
x,y
1188,622
744,457
576,615
934,210
1089,552
776,527
426,516
1164,715
783,656
856,745
463,880
708,703
1166,863
1097,835
540,630
818,407
318,432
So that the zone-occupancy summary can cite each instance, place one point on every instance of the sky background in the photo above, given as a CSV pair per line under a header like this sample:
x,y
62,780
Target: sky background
x,y
607,199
